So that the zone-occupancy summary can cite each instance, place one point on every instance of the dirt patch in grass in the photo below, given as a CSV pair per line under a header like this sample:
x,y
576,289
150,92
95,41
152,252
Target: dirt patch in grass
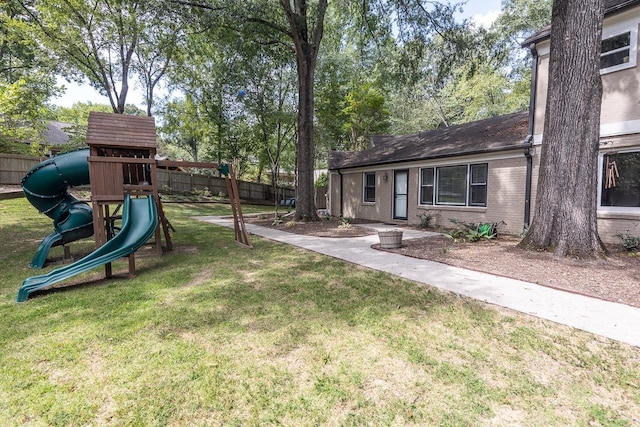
x,y
615,278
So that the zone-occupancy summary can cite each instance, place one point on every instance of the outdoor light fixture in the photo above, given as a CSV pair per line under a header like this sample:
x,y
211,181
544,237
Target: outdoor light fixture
x,y
385,177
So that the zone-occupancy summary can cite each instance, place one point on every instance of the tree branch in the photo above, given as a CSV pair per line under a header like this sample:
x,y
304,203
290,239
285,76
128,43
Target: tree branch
x,y
271,25
196,5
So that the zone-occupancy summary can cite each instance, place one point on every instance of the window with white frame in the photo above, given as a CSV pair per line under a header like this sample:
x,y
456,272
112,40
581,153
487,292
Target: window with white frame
x,y
618,51
369,187
478,184
459,185
426,186
620,180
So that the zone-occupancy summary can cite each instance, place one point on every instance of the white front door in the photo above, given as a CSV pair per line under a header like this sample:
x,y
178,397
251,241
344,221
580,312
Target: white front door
x,y
400,193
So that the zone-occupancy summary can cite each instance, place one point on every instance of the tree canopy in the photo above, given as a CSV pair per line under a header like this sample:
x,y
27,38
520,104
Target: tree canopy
x,y
275,85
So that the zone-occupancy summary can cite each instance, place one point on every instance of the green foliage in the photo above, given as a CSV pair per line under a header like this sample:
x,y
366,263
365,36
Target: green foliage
x,y
629,242
240,105
468,73
428,218
24,114
482,232
345,222
521,18
374,74
183,130
21,56
473,232
381,67
486,93
98,41
335,68
323,180
25,83
78,113
455,234
271,120
366,115
204,192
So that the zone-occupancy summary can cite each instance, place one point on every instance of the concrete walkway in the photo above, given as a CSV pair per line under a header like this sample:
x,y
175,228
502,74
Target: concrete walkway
x,y
612,320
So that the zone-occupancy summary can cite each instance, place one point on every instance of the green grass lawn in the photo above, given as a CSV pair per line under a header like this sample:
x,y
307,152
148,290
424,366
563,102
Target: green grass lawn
x,y
217,334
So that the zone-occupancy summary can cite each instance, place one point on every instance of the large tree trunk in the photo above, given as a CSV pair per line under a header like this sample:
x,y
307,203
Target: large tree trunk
x,y
305,202
307,43
565,216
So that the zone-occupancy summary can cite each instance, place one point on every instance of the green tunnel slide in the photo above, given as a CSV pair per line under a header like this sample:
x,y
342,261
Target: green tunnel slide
x,y
46,187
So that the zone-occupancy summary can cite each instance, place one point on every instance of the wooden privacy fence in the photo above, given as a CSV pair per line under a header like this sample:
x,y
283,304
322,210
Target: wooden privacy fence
x,y
184,182
14,167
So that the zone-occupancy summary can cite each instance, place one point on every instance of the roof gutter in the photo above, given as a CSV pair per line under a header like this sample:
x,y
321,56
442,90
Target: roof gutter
x,y
528,140
621,7
545,33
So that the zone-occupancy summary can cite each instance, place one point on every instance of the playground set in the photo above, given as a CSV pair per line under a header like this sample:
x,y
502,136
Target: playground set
x,y
121,167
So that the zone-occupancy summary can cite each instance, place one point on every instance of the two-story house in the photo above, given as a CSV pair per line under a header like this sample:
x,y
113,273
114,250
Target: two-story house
x,y
487,171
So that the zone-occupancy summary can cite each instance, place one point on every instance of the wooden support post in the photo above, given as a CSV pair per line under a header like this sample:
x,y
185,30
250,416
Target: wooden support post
x,y
162,223
132,265
67,253
242,236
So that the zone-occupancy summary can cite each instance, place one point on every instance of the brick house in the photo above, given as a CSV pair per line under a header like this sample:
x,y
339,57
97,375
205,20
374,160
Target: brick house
x,y
487,171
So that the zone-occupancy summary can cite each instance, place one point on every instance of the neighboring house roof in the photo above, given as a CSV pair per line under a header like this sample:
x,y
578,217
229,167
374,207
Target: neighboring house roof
x,y
55,133
496,134
610,7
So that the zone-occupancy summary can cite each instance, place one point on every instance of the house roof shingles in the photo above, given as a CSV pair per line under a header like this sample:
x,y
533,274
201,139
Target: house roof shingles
x,y
610,7
55,133
495,134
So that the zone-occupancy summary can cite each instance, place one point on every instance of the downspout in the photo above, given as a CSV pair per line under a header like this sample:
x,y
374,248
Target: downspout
x,y
341,191
527,188
529,139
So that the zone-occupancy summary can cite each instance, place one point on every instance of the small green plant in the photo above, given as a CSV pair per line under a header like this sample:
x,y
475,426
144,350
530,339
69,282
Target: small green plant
x,y
473,232
345,222
463,225
428,219
201,193
484,231
488,231
629,242
455,234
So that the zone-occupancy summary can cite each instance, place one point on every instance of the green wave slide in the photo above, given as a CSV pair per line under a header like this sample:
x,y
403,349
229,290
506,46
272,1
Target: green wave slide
x,y
139,222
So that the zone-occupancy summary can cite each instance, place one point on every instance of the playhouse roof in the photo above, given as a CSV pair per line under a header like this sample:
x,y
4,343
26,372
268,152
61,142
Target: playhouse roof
x,y
120,130
495,134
